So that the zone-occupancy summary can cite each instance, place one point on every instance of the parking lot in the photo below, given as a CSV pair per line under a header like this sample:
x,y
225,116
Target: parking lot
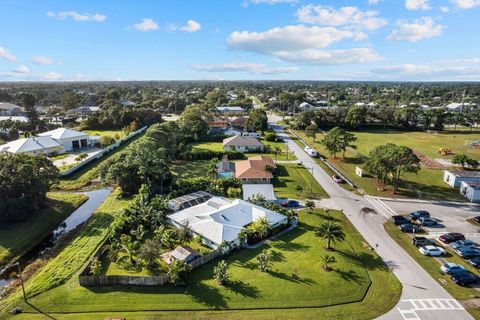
x,y
451,217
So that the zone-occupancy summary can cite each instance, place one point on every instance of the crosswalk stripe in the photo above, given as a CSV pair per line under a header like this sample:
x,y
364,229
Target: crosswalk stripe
x,y
434,304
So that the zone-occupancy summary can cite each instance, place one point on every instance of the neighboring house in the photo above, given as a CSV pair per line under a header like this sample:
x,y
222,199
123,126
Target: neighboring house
x,y
9,109
252,191
33,146
226,110
471,190
256,135
127,103
71,139
218,123
189,200
255,170
231,131
455,178
460,107
305,106
239,122
85,110
242,144
220,220
226,169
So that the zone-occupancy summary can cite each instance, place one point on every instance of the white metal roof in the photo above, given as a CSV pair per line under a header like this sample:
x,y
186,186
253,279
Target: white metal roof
x,y
64,133
32,144
251,191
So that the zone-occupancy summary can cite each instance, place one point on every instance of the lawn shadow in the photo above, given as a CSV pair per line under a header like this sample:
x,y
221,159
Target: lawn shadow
x,y
277,256
367,260
349,275
297,279
207,295
40,311
243,289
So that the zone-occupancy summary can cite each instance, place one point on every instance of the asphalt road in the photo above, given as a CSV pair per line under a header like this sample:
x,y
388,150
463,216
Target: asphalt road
x,y
422,297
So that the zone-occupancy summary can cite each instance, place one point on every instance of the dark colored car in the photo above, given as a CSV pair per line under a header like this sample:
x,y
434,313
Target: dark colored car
x,y
475,261
450,237
419,214
468,252
427,222
398,220
290,204
476,219
409,228
463,279
422,242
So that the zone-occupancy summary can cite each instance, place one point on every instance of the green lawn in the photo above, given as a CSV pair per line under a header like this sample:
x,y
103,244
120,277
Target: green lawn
x,y
190,169
432,266
288,176
16,239
428,183
109,133
360,282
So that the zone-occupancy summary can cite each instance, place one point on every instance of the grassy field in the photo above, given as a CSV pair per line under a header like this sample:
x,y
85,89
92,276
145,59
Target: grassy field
x,y
428,183
16,239
190,169
288,176
432,266
107,133
360,282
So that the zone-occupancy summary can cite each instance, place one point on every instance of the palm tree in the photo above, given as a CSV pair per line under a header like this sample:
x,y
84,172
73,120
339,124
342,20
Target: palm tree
x,y
264,260
220,272
309,205
298,189
327,260
128,246
260,227
331,232
277,150
149,252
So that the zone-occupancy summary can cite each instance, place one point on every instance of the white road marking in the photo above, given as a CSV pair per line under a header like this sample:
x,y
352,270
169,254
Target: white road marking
x,y
428,305
408,314
375,202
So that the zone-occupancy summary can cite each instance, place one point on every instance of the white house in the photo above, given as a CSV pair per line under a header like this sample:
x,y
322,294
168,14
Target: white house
x,y
471,190
9,109
71,139
460,107
86,110
242,144
230,110
256,135
455,178
305,106
33,146
252,191
220,220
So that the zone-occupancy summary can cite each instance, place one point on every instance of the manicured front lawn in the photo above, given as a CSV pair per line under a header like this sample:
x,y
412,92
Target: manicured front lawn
x,y
288,176
428,183
360,281
432,266
16,239
214,146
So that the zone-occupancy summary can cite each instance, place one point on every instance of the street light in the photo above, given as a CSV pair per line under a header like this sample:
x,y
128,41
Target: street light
x,y
17,264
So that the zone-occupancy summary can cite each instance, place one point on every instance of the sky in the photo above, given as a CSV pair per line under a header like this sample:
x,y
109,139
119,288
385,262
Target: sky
x,y
380,40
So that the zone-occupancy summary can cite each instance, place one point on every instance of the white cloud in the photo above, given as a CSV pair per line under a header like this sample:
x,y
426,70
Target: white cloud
x,y
273,1
146,25
428,72
330,57
51,76
444,9
466,4
416,30
253,68
62,15
23,69
43,60
6,54
417,4
351,17
373,2
191,26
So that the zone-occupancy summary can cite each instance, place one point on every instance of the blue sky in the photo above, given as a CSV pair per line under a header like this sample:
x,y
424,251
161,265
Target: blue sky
x,y
239,39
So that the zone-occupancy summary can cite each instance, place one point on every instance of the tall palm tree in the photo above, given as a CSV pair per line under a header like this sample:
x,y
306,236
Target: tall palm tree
x,y
331,232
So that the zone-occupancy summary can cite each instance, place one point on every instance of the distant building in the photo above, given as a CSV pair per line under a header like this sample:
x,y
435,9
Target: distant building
x,y
84,111
255,170
460,107
471,190
305,106
9,109
455,178
242,144
230,110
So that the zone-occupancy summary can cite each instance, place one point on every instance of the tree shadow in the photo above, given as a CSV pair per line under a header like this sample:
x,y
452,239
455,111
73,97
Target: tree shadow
x,y
284,276
243,289
207,295
291,246
349,275
367,260
277,256
40,311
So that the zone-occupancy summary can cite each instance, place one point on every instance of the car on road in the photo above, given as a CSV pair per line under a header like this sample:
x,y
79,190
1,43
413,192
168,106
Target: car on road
x,y
422,242
451,237
474,262
432,251
462,243
398,220
468,252
290,204
409,228
427,222
337,179
465,278
419,214
451,268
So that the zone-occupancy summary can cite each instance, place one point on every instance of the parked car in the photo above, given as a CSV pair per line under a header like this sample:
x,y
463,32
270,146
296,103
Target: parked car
x,y
462,243
409,228
337,179
290,204
476,219
398,220
474,262
427,222
451,237
432,251
311,152
451,268
419,214
465,278
468,252
422,242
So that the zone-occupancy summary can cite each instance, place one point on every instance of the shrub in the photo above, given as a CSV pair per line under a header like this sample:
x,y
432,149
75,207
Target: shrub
x,y
271,137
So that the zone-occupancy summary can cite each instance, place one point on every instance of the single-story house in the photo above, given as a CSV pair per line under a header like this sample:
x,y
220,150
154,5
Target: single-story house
x,y
252,191
471,190
455,177
86,110
242,144
255,170
71,139
230,110
220,220
33,146
305,106
256,135
9,109
460,107
231,131
239,122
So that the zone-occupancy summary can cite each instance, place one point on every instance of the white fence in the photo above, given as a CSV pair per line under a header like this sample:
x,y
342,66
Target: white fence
x,y
102,153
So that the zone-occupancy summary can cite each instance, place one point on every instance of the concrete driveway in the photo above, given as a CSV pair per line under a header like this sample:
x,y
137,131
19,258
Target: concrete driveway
x,y
71,157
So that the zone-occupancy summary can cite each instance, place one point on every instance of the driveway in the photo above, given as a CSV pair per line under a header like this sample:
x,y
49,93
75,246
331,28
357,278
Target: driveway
x,y
422,297
71,157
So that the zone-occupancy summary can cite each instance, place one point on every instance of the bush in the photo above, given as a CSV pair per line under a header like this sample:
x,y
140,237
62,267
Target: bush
x,y
205,154
271,137
214,186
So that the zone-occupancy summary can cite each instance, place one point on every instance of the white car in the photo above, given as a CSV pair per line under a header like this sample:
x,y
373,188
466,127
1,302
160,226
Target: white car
x,y
432,251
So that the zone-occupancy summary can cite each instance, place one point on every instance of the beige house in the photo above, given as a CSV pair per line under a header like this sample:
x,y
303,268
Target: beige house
x,y
242,144
255,170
